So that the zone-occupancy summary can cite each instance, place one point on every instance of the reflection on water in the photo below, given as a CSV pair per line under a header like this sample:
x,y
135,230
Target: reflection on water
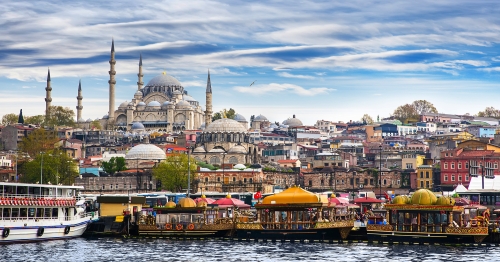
x,y
108,249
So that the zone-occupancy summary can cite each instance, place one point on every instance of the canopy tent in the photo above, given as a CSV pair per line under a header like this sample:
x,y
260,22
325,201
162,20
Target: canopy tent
x,y
230,202
204,199
367,200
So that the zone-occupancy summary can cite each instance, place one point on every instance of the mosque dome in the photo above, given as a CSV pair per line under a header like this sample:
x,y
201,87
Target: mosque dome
x,y
123,105
225,125
260,118
81,120
216,150
138,93
165,105
164,80
239,118
131,104
237,149
141,106
89,120
423,197
292,122
188,98
182,104
187,202
145,152
154,104
137,126
105,117
200,149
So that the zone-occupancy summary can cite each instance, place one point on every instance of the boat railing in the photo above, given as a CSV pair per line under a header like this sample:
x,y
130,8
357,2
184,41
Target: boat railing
x,y
38,219
34,196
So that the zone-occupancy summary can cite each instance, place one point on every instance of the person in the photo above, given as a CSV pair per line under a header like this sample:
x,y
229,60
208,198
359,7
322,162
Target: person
x,y
414,224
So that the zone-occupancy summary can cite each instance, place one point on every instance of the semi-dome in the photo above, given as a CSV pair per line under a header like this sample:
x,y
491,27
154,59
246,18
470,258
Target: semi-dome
x,y
141,106
89,120
138,93
239,118
123,104
163,80
237,149
105,116
260,118
182,104
137,126
291,122
216,150
81,120
200,149
154,104
165,104
145,152
293,195
131,104
187,202
188,98
225,125
423,197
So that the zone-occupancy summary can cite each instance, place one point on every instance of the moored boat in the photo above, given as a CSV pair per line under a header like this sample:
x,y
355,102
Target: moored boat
x,y
36,212
296,214
187,220
424,218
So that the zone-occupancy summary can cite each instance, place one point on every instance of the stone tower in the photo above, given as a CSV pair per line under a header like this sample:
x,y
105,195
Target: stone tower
x,y
140,75
79,98
208,111
48,98
112,83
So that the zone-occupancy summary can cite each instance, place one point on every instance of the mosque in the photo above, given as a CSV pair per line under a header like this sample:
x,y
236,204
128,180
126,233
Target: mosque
x,y
163,105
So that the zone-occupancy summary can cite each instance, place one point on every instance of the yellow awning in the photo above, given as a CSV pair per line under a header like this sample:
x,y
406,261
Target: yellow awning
x,y
293,195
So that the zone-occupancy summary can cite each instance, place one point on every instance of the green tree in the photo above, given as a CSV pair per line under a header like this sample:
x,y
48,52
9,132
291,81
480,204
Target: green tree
x,y
60,116
367,119
96,124
489,112
423,106
173,172
34,120
51,166
406,113
224,113
115,164
216,116
9,119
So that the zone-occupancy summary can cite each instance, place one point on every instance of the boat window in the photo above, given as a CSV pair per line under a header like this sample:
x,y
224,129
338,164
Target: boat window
x,y
47,212
55,212
24,212
6,213
39,212
31,212
36,191
15,212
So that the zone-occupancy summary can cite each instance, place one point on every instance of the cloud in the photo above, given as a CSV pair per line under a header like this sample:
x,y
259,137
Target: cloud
x,y
126,80
490,69
196,83
286,74
282,88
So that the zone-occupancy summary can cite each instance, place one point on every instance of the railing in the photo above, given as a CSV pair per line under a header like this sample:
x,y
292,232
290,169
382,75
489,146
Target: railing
x,y
33,196
37,219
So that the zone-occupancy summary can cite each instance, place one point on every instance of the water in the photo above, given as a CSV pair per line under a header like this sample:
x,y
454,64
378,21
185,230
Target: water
x,y
108,249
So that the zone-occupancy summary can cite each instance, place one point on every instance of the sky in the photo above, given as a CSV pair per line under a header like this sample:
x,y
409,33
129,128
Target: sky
x,y
330,60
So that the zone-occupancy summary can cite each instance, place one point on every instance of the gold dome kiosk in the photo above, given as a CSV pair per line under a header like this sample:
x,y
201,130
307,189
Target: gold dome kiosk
x,y
424,218
295,215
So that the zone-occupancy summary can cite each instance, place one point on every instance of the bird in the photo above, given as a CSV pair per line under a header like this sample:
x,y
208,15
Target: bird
x,y
252,83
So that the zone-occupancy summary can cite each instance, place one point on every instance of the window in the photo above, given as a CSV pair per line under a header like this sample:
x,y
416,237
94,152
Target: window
x,y
111,186
427,185
445,165
445,178
466,177
206,179
409,165
310,182
459,165
322,182
467,165
421,174
452,177
426,174
452,165
421,184
446,154
459,177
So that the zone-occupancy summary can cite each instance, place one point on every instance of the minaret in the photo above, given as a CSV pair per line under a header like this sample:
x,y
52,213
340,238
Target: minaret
x,y
48,99
140,75
208,111
112,83
79,98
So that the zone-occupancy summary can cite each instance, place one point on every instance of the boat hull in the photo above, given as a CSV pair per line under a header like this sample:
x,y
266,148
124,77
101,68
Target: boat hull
x,y
454,236
200,231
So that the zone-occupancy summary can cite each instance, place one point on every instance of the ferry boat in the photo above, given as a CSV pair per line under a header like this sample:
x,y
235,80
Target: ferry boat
x,y
296,214
425,219
36,212
186,219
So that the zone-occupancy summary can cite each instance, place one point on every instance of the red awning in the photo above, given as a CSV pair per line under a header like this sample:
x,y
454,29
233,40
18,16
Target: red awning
x,y
367,200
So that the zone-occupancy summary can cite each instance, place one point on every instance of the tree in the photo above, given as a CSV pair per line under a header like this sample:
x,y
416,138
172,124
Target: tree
x,y
9,119
367,119
34,120
423,106
224,113
405,113
56,167
96,124
115,164
38,141
252,117
173,172
60,116
489,112
216,116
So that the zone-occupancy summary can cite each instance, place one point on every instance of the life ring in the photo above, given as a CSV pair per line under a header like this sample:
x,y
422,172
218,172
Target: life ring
x,y
5,232
66,230
40,231
179,227
190,226
168,226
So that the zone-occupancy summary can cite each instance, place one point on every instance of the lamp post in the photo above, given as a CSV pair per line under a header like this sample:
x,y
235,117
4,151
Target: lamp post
x,y
137,174
380,171
223,174
41,169
189,170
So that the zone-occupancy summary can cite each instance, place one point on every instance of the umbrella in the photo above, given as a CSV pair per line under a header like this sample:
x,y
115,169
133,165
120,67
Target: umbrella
x,y
230,202
339,201
460,201
367,200
476,206
204,199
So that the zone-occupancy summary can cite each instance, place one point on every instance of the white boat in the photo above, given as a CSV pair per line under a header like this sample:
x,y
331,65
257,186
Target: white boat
x,y
36,212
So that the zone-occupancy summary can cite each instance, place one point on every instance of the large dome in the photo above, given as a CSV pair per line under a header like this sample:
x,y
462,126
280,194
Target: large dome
x,y
182,104
225,125
292,122
137,126
145,152
239,118
260,118
164,80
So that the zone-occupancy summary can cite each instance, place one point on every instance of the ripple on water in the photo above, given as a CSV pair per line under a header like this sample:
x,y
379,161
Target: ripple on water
x,y
111,249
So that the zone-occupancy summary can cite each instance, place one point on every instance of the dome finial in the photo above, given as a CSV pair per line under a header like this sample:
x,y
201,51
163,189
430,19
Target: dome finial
x,y
164,72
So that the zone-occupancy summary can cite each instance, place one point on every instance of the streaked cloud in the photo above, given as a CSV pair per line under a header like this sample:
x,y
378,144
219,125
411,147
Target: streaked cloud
x,y
282,89
286,74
